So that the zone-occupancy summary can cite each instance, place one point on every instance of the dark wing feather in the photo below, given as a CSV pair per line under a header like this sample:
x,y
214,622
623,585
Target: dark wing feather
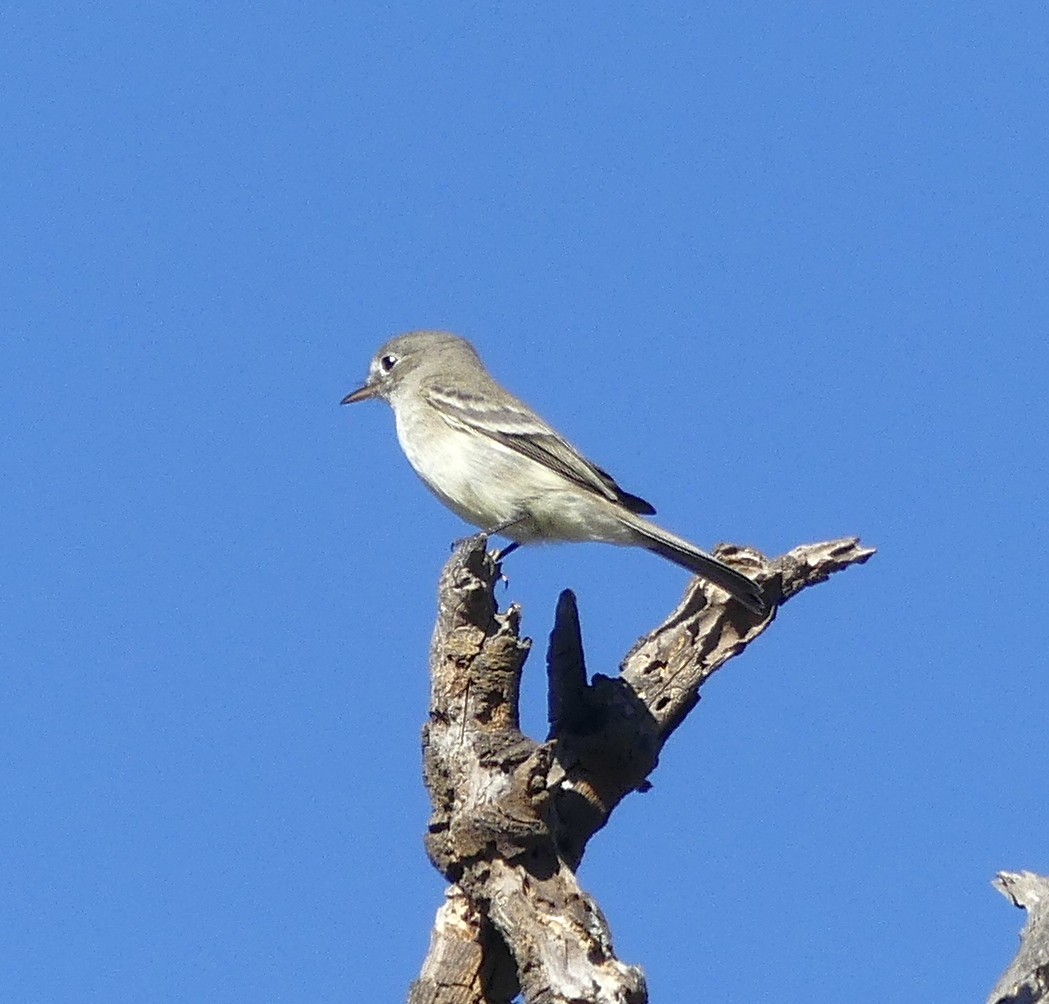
x,y
509,422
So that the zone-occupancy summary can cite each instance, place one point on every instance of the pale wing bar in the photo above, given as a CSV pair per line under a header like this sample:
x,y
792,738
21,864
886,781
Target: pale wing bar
x,y
522,431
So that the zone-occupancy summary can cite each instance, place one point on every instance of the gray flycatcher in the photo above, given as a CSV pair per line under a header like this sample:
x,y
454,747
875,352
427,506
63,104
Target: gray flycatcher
x,y
494,462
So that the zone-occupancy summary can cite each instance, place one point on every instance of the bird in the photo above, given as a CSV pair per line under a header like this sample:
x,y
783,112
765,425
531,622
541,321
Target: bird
x,y
500,467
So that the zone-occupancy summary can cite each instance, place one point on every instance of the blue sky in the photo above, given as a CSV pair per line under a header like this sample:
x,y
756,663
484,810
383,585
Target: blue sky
x,y
781,268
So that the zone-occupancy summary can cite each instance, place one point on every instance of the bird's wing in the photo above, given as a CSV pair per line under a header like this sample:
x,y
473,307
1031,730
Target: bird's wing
x,y
511,423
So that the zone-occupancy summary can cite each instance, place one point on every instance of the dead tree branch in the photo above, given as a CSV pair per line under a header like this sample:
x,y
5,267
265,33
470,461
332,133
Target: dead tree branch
x,y
1026,981
512,816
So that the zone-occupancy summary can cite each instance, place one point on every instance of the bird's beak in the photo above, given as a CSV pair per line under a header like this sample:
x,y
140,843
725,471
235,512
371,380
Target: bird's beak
x,y
361,394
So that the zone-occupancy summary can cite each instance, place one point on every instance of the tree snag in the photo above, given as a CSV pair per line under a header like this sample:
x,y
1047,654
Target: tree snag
x,y
1026,981
512,816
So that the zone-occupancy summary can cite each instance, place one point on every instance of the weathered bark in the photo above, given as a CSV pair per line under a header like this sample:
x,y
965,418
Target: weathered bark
x,y
467,958
1026,981
512,817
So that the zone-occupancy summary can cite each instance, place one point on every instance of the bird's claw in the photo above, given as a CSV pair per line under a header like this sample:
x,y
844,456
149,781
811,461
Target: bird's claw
x,y
496,556
478,538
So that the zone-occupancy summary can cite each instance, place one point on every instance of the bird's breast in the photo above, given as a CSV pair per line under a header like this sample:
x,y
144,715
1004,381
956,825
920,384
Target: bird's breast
x,y
467,471
490,485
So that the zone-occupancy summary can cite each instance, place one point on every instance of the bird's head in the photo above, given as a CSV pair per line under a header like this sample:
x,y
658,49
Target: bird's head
x,y
408,357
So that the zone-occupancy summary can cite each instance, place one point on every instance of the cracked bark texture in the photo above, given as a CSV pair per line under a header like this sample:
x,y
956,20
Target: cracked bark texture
x,y
512,816
1026,981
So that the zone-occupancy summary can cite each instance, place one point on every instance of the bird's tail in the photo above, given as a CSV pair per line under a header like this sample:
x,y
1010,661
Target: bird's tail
x,y
682,553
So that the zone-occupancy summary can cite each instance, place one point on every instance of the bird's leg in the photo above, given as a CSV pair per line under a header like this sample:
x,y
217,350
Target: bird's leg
x,y
485,534
512,546
502,527
504,551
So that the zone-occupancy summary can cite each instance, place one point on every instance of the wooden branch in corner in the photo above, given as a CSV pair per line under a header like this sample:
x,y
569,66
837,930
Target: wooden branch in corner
x,y
512,817
1026,981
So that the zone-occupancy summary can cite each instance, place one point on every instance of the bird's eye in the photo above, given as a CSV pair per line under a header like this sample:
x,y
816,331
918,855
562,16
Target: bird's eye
x,y
387,363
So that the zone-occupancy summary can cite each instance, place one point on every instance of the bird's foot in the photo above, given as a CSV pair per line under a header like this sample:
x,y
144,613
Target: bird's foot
x,y
497,556
474,538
